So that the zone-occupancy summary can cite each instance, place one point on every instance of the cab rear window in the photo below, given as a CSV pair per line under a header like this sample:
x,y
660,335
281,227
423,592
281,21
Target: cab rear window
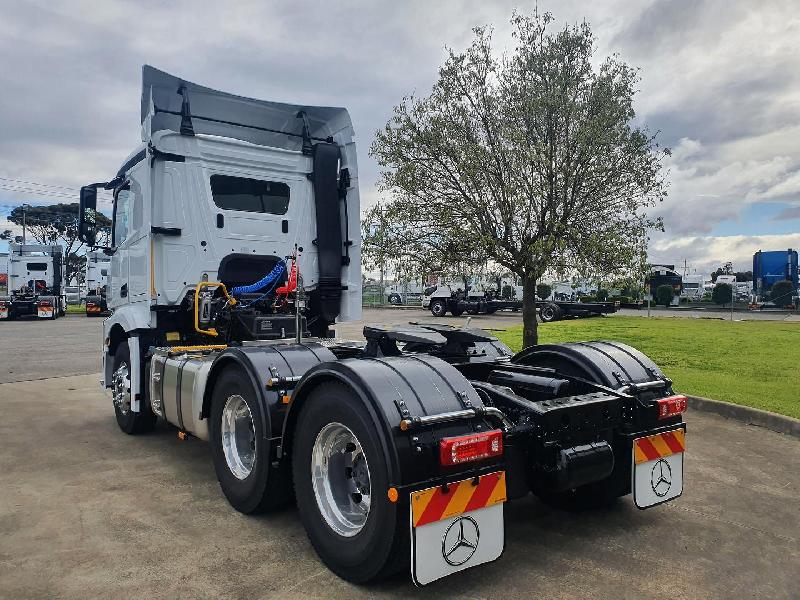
x,y
37,266
250,195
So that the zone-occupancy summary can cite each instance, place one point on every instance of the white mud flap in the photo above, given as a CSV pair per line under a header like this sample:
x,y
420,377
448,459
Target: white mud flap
x,y
3,312
658,468
457,526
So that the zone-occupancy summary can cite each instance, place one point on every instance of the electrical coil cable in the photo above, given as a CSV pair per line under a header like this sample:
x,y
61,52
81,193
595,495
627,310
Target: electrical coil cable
x,y
269,278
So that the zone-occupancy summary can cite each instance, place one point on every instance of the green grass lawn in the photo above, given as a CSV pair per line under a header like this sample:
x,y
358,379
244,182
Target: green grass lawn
x,y
754,363
75,308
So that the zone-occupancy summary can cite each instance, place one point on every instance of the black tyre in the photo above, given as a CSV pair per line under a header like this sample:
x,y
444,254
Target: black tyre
x,y
130,422
239,447
458,311
550,312
341,482
473,309
438,308
395,299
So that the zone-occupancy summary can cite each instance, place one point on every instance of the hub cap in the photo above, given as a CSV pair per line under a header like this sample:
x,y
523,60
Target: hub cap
x,y
341,481
121,388
238,437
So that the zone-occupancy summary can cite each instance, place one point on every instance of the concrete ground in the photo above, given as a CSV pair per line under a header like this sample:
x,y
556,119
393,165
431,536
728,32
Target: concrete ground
x,y
87,512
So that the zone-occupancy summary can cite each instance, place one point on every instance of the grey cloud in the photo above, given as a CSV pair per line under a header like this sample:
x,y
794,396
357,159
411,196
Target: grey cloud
x,y
69,107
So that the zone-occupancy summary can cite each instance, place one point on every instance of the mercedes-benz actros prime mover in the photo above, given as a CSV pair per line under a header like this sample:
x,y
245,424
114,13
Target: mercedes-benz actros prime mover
x,y
235,250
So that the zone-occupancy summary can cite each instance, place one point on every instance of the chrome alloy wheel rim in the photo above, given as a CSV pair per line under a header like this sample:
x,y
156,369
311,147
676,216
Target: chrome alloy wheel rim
x,y
121,388
341,480
238,437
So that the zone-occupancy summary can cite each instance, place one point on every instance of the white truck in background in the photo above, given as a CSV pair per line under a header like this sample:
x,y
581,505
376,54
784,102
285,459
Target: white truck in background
x,y
235,249
36,274
98,264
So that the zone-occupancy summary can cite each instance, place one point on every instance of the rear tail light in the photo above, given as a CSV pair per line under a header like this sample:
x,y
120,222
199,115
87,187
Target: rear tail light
x,y
44,303
469,448
671,406
89,304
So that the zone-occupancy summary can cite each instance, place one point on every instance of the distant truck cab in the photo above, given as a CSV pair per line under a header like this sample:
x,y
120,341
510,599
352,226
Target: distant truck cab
x,y
96,276
35,282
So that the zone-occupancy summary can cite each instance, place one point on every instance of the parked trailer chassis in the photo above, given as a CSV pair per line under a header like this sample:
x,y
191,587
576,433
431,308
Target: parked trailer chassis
x,y
548,310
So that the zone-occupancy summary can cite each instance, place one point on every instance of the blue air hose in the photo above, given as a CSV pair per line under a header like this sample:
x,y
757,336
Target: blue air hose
x,y
270,278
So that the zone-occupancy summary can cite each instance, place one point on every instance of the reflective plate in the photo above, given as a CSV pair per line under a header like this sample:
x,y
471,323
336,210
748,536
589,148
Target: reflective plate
x,y
658,468
457,526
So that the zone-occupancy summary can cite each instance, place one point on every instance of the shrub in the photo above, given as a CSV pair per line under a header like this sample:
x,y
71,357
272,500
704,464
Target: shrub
x,y
781,292
543,291
620,299
602,295
722,294
664,295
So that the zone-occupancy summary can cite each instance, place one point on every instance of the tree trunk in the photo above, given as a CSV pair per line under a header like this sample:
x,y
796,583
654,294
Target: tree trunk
x,y
530,333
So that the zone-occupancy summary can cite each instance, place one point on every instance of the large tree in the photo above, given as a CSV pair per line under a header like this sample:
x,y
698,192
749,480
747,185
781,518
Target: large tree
x,y
58,224
531,160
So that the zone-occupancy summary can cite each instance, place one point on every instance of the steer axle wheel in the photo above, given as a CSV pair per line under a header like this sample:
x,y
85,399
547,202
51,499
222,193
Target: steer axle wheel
x,y
130,422
550,312
438,308
341,483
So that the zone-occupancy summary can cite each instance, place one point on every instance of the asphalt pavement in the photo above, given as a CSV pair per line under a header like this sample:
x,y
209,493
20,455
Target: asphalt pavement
x,y
88,512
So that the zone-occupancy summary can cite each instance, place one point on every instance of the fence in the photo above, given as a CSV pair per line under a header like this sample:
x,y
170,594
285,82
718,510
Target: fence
x,y
375,296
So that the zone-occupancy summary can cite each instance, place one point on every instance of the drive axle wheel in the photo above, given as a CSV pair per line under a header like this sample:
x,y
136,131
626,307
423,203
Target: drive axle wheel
x,y
130,422
341,481
240,448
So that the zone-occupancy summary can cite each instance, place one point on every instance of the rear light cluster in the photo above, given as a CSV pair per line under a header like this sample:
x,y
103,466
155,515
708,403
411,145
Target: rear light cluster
x,y
469,448
44,303
671,406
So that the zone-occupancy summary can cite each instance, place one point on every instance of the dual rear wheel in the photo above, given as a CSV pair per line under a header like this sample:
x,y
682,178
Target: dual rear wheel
x,y
337,466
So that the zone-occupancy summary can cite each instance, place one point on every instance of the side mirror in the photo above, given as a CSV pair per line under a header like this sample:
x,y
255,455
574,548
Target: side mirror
x,y
87,216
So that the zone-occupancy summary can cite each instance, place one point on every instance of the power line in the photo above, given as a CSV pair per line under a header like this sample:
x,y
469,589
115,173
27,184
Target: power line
x,y
34,190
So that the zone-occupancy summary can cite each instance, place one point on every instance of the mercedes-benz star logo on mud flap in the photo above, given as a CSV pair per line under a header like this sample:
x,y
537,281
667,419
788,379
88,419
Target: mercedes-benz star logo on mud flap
x,y
661,478
460,541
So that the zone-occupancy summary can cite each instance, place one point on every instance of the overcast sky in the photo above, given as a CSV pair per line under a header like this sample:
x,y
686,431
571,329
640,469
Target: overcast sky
x,y
720,80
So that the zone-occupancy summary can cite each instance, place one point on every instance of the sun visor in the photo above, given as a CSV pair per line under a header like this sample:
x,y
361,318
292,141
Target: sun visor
x,y
173,104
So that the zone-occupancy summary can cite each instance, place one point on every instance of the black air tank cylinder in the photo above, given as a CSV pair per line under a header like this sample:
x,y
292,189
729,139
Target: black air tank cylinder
x,y
546,387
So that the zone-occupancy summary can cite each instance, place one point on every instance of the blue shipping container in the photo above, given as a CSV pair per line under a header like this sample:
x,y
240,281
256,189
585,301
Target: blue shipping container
x,y
772,266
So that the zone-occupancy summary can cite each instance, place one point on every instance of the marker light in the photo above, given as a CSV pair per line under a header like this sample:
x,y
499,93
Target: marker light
x,y
671,406
468,448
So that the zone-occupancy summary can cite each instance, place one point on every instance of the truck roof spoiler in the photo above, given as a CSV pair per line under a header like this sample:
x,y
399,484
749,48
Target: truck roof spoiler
x,y
173,104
